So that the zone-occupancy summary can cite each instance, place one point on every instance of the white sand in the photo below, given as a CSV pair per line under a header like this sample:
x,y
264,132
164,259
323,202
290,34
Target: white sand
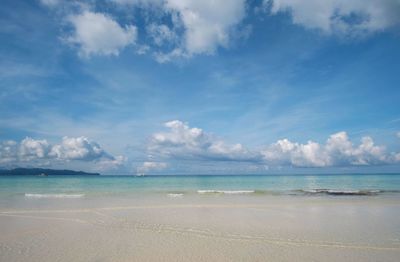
x,y
202,228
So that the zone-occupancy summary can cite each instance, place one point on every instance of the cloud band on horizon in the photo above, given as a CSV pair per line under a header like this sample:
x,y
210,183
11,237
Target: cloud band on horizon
x,y
184,143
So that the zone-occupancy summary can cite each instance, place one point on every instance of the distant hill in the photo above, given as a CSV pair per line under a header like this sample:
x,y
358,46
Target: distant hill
x,y
43,172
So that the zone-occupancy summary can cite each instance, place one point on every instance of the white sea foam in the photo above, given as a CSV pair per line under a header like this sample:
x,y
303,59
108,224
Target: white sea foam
x,y
175,195
228,192
54,195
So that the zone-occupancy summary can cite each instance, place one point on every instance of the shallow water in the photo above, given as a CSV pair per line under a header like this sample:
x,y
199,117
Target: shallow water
x,y
198,218
89,186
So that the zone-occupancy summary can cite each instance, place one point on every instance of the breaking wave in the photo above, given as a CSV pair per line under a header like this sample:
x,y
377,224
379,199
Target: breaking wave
x,y
175,195
54,195
304,192
228,192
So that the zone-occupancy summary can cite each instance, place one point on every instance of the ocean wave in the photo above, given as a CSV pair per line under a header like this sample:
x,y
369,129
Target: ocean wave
x,y
175,195
54,195
228,192
306,192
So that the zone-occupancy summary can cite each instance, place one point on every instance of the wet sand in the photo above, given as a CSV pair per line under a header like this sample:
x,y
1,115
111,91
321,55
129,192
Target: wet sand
x,y
201,228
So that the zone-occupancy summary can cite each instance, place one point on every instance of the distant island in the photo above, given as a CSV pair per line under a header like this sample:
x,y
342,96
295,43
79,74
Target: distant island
x,y
43,172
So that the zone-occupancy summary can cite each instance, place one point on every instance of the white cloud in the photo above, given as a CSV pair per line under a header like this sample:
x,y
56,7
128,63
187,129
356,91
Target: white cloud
x,y
8,152
398,134
184,142
99,34
151,166
208,23
31,149
338,151
37,152
353,17
203,25
342,151
184,28
79,148
285,152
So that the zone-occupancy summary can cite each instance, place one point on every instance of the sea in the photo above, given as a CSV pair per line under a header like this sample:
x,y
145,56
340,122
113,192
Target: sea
x,y
35,187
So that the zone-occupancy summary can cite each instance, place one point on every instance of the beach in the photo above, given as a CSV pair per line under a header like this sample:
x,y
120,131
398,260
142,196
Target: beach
x,y
203,225
199,131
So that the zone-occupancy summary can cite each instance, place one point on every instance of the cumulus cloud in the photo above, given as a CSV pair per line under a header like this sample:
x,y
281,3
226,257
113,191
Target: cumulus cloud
x,y
33,151
77,148
184,142
338,151
284,152
8,152
30,148
99,34
340,16
208,23
203,26
184,28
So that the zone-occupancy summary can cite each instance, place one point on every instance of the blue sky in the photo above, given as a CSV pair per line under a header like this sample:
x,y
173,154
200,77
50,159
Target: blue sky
x,y
184,86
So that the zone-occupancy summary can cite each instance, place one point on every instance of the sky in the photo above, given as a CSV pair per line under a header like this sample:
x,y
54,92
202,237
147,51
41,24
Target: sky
x,y
131,87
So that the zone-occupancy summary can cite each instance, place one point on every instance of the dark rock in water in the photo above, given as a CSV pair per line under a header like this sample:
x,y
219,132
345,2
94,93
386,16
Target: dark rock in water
x,y
43,172
339,192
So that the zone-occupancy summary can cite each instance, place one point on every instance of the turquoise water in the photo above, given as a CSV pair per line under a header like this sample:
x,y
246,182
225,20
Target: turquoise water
x,y
77,186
